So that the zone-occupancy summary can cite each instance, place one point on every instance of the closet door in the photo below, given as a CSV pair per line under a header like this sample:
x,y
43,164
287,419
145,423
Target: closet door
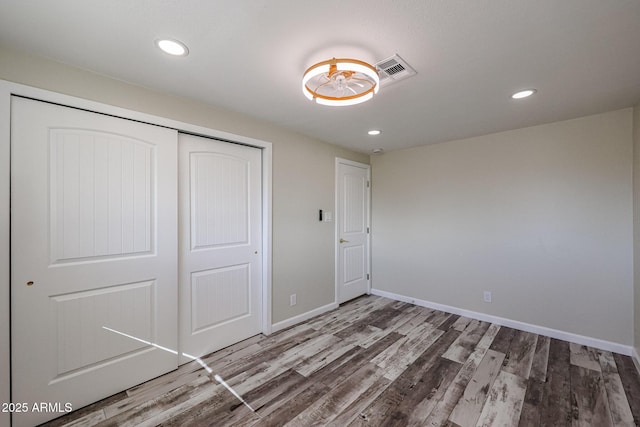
x,y
93,256
220,244
353,229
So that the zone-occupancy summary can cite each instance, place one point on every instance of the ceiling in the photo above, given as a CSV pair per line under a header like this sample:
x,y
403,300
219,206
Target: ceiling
x,y
248,56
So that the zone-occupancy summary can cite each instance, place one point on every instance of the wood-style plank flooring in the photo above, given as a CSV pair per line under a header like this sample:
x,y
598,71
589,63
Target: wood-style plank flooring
x,y
378,362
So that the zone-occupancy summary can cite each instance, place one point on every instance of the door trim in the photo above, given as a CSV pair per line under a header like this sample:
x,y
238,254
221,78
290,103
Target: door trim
x,y
336,222
7,89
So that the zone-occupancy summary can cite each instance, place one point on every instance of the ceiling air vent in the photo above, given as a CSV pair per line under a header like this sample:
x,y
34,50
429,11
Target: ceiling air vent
x,y
393,69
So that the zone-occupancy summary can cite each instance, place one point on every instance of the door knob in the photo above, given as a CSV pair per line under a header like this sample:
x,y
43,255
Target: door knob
x,y
343,241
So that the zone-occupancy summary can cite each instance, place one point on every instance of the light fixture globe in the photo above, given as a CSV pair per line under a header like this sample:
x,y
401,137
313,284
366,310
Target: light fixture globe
x,y
342,81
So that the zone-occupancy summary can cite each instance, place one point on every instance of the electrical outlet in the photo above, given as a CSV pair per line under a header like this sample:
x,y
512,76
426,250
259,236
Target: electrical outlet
x,y
487,296
293,300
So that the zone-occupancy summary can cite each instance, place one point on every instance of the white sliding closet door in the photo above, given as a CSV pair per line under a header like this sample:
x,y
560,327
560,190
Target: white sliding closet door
x,y
93,255
220,259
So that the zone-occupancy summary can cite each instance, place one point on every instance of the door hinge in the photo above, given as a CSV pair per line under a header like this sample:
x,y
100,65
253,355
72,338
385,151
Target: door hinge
x,y
367,276
367,230
368,184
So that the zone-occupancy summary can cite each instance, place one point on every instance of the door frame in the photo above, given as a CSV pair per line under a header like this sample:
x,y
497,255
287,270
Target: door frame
x,y
337,218
7,89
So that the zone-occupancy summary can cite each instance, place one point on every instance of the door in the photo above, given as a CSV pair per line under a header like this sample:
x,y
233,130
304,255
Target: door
x,y
93,256
353,229
220,263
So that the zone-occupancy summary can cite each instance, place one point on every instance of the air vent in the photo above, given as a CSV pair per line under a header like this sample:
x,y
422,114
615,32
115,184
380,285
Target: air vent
x,y
393,69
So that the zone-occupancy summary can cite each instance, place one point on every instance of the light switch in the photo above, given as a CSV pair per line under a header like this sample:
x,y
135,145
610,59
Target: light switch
x,y
327,216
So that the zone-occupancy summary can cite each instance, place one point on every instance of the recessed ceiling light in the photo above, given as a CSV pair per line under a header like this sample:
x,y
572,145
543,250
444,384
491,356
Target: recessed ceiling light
x,y
374,132
523,94
172,47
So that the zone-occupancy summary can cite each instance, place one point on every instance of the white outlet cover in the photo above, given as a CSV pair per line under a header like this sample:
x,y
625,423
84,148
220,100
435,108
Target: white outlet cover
x,y
487,296
328,216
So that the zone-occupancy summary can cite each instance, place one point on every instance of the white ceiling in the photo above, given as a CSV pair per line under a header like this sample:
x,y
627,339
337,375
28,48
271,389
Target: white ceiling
x,y
583,57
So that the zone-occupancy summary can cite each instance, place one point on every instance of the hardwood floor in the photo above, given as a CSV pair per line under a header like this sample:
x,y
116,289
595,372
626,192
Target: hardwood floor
x,y
378,362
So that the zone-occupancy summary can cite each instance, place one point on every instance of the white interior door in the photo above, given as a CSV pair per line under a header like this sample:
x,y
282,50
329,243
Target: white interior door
x,y
353,229
220,263
93,255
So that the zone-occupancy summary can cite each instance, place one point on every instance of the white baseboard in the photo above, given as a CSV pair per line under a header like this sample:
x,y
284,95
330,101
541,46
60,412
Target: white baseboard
x,y
527,327
636,359
303,317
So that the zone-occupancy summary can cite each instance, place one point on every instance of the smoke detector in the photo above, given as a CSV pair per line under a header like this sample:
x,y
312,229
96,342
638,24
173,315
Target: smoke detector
x,y
393,69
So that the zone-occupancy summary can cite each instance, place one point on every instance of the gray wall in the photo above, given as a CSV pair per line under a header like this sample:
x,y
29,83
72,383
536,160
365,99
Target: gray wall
x,y
303,172
541,217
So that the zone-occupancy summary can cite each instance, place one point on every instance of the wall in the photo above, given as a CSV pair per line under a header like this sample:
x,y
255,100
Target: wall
x,y
636,228
541,217
303,172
